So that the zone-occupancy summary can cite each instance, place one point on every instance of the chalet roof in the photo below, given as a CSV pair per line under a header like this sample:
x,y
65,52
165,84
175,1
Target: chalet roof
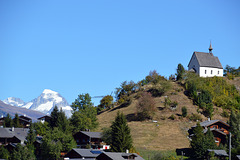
x,y
25,117
218,152
214,129
208,123
44,117
120,156
92,134
207,60
86,153
20,133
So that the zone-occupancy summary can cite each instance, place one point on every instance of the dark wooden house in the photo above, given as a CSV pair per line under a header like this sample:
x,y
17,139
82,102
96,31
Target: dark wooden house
x,y
25,121
45,118
219,129
93,139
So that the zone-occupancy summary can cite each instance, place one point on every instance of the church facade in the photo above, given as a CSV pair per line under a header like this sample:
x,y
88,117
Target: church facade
x,y
205,64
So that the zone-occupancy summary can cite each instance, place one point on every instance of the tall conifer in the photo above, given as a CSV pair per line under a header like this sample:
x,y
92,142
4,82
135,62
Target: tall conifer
x,y
121,136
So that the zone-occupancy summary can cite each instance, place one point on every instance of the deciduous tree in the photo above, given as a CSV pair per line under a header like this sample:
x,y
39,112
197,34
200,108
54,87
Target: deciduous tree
x,y
84,113
146,106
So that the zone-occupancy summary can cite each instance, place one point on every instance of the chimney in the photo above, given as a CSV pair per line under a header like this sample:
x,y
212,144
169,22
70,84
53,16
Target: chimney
x,y
208,119
12,129
127,151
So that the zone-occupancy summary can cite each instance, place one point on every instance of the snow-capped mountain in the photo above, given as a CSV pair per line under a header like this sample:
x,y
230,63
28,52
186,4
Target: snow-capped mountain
x,y
14,101
46,102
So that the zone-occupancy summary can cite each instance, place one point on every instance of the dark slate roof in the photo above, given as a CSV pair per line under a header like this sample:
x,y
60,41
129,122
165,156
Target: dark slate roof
x,y
207,60
46,116
119,155
238,156
87,153
93,134
218,152
20,133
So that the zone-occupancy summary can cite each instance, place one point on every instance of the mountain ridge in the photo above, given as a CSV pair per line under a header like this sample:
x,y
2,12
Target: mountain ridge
x,y
44,103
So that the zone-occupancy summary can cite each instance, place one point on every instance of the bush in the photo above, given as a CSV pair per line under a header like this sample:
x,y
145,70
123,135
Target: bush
x,y
167,102
172,117
195,117
184,111
225,114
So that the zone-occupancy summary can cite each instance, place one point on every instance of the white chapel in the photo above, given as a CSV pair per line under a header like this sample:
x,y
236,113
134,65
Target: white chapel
x,y
205,64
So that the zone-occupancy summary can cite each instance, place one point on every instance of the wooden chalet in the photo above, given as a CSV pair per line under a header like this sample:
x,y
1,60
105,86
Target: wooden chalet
x,y
219,129
84,138
25,121
13,135
45,118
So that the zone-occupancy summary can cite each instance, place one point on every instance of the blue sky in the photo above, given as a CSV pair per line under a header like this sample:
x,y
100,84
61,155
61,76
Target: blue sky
x,y
87,46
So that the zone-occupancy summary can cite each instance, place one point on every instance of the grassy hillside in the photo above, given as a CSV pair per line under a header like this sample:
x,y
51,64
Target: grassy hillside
x,y
165,134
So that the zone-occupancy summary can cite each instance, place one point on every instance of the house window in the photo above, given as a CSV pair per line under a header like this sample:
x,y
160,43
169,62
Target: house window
x,y
205,71
211,71
218,72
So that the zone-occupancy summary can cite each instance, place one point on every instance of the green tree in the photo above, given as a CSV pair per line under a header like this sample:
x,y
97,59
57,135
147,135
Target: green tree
x,y
235,129
198,143
55,142
8,121
121,136
201,143
107,135
4,154
22,153
209,140
146,106
82,102
54,117
84,113
16,121
106,102
184,111
180,72
154,77
124,91
62,121
41,128
31,137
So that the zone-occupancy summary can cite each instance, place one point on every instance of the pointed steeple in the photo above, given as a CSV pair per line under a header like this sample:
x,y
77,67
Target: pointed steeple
x,y
210,48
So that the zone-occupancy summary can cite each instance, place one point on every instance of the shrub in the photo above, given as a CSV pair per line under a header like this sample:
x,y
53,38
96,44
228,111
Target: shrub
x,y
172,117
184,111
195,117
225,114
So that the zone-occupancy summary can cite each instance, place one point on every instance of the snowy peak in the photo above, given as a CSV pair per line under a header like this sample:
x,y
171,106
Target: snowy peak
x,y
17,102
52,95
47,101
48,91
43,103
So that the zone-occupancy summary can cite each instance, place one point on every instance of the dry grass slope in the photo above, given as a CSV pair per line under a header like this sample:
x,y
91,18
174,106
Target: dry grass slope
x,y
166,134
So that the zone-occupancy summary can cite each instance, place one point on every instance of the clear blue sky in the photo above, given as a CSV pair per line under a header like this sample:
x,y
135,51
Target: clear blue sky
x,y
91,46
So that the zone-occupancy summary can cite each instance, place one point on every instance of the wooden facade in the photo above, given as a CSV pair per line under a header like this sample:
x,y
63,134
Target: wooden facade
x,y
89,138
